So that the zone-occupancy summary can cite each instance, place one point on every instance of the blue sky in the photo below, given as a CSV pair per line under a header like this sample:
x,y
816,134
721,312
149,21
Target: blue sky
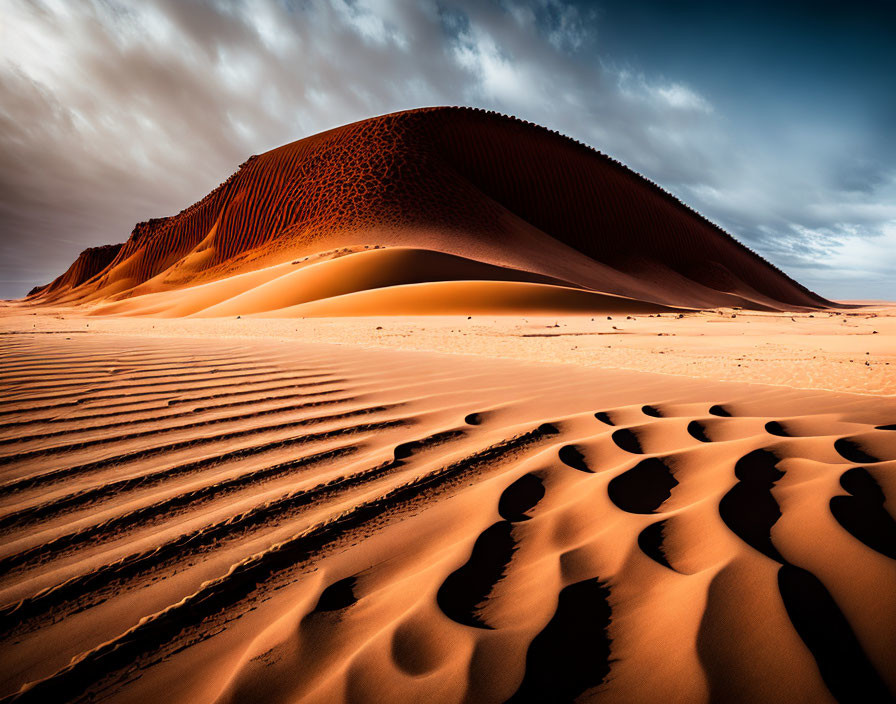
x,y
776,120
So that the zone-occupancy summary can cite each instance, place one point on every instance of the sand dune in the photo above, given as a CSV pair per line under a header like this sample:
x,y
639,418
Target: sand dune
x,y
501,194
473,297
242,521
389,281
89,263
363,271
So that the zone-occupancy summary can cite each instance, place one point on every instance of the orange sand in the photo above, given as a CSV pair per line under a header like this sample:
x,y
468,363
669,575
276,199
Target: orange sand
x,y
218,510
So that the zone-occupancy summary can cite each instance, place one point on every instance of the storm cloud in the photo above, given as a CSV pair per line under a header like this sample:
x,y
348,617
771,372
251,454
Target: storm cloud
x,y
112,112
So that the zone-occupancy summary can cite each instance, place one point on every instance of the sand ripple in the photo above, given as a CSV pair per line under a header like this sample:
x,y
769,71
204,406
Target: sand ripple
x,y
245,520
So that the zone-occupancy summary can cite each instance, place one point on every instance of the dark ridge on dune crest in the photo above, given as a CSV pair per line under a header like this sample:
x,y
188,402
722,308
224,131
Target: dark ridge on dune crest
x,y
459,180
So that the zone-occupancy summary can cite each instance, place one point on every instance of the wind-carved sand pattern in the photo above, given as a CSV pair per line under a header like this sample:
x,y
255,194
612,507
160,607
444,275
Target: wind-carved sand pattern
x,y
251,520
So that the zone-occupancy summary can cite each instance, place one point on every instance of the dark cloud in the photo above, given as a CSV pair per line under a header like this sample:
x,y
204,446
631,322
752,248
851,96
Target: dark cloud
x,y
112,112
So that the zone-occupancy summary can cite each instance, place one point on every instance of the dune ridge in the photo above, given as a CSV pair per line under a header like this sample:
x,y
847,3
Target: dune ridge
x,y
460,181
89,263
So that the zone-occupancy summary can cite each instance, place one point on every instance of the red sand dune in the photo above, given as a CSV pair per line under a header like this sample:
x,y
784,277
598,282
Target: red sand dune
x,y
474,184
89,263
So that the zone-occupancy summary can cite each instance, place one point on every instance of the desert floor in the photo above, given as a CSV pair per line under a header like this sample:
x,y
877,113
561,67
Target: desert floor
x,y
448,509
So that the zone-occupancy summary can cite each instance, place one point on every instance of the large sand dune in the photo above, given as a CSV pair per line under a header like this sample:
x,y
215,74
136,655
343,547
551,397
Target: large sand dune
x,y
233,520
510,200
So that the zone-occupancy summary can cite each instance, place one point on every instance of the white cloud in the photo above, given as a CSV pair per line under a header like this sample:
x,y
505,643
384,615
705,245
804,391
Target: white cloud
x,y
498,77
682,98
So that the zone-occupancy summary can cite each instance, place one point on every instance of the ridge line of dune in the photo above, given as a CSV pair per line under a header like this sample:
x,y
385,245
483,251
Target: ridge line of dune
x,y
628,170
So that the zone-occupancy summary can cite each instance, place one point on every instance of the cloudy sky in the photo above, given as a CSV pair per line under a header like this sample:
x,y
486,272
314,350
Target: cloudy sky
x,y
777,120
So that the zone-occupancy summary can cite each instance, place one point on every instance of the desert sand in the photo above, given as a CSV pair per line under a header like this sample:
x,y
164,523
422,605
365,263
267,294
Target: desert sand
x,y
443,406
205,512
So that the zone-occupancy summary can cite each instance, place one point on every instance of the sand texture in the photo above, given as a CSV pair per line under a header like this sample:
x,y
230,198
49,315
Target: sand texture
x,y
214,519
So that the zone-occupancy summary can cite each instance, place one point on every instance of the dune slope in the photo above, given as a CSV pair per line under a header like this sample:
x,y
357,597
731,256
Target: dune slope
x,y
389,281
465,182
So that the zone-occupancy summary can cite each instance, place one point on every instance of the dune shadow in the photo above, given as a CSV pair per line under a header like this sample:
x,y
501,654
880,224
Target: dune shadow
x,y
650,540
547,429
720,411
773,427
520,497
473,419
863,513
697,430
572,653
644,487
604,418
749,509
464,590
851,450
339,595
627,440
572,456
843,665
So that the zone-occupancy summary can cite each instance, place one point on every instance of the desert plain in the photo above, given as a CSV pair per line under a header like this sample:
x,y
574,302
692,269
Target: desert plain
x,y
389,509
